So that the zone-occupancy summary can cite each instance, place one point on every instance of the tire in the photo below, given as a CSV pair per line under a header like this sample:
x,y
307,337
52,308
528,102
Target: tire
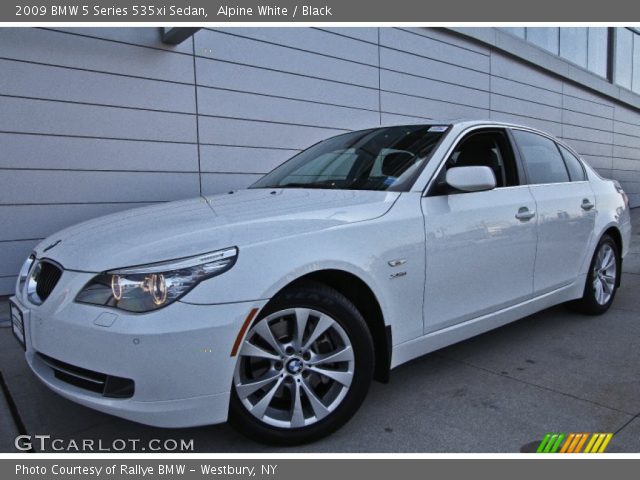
x,y
278,382
602,283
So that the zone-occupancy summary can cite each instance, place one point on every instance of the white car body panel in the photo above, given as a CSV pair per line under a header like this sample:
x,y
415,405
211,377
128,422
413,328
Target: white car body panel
x,y
564,233
442,268
191,227
476,233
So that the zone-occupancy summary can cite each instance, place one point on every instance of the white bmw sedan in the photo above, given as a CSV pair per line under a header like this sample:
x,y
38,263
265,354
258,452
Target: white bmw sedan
x,y
277,305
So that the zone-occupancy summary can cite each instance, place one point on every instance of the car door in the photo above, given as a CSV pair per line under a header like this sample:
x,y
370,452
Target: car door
x,y
565,206
480,246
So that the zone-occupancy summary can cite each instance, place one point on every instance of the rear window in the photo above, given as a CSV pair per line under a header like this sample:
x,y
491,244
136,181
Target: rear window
x,y
542,158
576,171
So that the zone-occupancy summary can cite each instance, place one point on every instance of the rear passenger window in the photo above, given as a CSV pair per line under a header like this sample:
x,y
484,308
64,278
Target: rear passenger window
x,y
542,158
576,171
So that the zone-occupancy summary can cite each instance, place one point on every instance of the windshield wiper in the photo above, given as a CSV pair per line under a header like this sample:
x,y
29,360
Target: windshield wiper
x,y
306,185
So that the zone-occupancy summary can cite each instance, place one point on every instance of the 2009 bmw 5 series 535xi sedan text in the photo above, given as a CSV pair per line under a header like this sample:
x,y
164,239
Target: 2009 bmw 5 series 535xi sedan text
x,y
277,305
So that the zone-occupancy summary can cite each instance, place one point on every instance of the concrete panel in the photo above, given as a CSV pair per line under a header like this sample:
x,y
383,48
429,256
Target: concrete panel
x,y
55,48
585,147
435,90
586,106
425,47
49,152
213,73
626,152
261,107
231,76
219,46
632,129
626,163
29,187
143,36
406,63
8,284
524,108
222,131
553,128
13,255
419,107
56,83
40,221
312,40
215,159
57,118
582,93
366,34
581,133
398,119
445,36
587,121
626,140
509,88
626,114
213,183
507,67
599,162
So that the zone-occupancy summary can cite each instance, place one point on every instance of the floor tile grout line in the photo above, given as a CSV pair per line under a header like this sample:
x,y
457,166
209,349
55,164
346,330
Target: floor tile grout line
x,y
542,387
13,409
626,424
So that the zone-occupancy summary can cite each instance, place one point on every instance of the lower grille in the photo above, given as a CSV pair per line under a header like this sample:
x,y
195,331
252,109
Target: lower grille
x,y
47,279
106,385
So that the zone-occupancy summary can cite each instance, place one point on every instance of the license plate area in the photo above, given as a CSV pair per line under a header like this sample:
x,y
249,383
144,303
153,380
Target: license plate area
x,y
17,323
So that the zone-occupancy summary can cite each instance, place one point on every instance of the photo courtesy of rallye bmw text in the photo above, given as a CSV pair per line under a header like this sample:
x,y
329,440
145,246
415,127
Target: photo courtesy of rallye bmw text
x,y
247,235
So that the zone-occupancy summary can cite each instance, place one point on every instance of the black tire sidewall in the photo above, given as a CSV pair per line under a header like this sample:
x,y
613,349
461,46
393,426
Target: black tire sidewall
x,y
589,304
332,303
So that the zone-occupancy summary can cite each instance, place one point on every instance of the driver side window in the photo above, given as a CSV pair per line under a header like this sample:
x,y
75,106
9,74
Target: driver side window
x,y
486,148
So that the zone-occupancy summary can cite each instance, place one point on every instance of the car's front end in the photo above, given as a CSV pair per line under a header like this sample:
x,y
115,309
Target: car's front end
x,y
139,314
164,365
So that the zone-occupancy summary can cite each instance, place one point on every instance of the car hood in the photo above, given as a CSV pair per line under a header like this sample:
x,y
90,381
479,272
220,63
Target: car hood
x,y
191,227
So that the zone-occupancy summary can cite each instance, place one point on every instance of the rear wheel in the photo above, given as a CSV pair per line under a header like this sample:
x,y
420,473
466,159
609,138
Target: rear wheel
x,y
602,280
304,367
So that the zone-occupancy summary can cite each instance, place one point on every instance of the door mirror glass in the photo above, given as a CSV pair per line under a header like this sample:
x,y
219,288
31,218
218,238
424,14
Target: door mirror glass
x,y
471,179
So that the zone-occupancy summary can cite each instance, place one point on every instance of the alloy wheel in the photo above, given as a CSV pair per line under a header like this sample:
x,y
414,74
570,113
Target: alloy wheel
x,y
295,368
604,274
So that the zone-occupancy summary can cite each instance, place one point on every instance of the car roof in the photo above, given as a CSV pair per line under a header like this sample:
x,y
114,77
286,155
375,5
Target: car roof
x,y
462,124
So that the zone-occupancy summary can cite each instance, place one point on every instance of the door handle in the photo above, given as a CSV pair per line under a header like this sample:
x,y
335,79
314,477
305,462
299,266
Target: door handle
x,y
525,214
587,205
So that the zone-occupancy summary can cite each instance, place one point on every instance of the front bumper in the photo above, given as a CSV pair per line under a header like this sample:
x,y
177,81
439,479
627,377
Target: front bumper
x,y
178,357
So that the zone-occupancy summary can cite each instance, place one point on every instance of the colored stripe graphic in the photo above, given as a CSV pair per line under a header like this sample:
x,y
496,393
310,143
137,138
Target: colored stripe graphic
x,y
573,442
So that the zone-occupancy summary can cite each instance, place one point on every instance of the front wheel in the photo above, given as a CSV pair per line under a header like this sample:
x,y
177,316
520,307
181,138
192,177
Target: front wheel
x,y
602,280
303,369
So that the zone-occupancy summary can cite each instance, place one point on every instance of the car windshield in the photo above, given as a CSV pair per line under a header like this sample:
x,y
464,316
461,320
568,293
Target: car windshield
x,y
388,158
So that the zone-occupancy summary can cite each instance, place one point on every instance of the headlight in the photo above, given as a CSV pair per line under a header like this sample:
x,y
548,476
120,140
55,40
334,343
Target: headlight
x,y
24,274
150,287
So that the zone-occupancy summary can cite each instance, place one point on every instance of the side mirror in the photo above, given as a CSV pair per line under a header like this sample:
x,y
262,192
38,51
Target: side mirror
x,y
471,179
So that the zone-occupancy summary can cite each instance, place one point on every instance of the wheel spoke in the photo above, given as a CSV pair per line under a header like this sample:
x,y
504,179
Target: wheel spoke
x,y
607,259
302,318
260,408
264,330
341,377
599,292
246,389
319,409
324,323
607,286
297,414
251,350
343,355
